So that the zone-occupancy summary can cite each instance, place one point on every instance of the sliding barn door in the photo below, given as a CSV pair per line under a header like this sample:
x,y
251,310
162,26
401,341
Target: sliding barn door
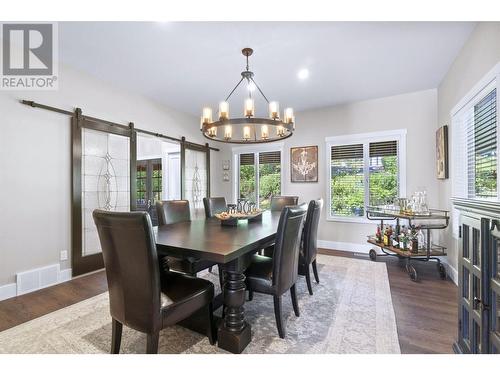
x,y
101,180
195,170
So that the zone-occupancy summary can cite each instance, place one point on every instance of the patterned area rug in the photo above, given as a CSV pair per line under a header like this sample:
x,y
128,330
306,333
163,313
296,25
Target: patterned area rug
x,y
350,312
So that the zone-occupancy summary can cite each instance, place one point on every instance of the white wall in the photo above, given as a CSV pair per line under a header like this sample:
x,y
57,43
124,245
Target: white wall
x,y
35,162
416,112
478,56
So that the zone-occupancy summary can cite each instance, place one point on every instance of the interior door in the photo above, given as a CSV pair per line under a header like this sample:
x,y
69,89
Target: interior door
x,y
101,179
195,177
149,186
494,280
470,273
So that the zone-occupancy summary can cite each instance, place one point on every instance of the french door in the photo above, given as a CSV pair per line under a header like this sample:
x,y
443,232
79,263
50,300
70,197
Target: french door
x,y
149,186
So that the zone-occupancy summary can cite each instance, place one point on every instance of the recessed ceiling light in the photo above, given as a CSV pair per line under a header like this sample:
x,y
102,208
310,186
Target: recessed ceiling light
x,y
303,74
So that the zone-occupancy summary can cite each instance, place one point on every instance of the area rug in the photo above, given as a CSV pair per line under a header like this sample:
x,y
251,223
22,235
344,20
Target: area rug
x,y
350,312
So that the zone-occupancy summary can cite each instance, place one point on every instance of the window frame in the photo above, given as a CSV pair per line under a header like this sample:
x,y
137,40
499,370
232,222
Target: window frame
x,y
365,139
487,84
256,150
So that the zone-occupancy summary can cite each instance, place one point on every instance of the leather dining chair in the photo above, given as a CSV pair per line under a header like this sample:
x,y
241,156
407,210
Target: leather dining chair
x,y
309,246
178,211
214,206
279,202
275,276
141,295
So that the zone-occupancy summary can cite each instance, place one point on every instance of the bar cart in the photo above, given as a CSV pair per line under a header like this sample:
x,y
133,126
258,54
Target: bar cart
x,y
434,219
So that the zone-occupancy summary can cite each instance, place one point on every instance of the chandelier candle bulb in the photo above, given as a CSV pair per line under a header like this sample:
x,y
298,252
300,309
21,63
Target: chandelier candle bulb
x,y
288,116
264,132
249,107
280,131
207,115
223,110
246,133
274,110
212,132
228,132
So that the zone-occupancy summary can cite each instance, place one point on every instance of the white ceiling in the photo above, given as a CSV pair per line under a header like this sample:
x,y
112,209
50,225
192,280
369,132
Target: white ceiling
x,y
191,64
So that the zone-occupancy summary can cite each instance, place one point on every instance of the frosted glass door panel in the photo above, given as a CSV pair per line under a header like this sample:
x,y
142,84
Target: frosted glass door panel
x,y
195,188
105,180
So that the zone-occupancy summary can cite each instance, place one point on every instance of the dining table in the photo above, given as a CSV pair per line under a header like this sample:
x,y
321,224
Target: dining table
x,y
231,247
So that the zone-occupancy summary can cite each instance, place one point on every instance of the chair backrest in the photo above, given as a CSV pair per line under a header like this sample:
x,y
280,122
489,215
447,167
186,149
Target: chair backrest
x,y
286,247
214,206
280,202
131,261
171,212
310,233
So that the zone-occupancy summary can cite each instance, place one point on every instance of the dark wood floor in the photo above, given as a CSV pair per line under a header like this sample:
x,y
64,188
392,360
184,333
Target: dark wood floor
x,y
426,311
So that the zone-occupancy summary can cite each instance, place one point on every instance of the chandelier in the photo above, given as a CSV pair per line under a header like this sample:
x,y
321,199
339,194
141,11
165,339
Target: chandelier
x,y
248,128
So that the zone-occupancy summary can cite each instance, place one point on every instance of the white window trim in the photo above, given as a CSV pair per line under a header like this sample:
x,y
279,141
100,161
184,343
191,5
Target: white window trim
x,y
256,149
398,135
490,81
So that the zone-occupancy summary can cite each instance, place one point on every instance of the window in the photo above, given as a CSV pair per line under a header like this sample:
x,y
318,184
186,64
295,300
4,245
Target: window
x,y
259,176
475,143
364,169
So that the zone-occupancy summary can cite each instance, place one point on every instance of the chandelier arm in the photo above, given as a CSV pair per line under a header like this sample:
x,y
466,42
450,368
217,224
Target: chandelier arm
x,y
256,85
235,87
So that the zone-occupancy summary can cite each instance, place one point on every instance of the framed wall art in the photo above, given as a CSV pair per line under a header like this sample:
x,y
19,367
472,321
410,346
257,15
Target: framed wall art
x,y
304,164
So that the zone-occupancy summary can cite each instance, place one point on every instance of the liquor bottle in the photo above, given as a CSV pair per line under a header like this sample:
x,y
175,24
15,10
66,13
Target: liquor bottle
x,y
387,236
378,234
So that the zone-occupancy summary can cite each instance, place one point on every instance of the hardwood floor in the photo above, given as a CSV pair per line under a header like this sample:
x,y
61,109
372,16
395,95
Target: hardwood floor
x,y
426,311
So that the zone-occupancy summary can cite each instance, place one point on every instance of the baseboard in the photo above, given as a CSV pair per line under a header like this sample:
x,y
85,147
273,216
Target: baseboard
x,y
36,279
344,246
8,291
450,270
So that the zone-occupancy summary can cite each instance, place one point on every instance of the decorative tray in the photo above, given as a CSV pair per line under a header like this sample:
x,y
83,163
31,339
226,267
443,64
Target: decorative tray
x,y
231,219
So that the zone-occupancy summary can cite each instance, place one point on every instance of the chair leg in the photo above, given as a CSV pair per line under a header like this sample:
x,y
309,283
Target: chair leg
x,y
308,281
279,317
210,324
152,343
315,270
293,293
116,336
250,294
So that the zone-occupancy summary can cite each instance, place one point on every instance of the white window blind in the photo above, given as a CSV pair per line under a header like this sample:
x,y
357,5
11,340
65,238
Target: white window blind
x,y
259,176
347,175
482,149
475,147
365,169
383,173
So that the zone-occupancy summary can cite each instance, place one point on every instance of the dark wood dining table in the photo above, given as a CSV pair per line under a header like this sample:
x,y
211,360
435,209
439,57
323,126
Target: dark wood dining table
x,y
232,249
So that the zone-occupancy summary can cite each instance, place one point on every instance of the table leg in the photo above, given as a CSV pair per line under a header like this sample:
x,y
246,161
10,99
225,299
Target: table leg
x,y
234,332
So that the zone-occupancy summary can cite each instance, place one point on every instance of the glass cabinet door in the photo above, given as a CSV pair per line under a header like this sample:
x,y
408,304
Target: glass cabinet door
x,y
494,308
